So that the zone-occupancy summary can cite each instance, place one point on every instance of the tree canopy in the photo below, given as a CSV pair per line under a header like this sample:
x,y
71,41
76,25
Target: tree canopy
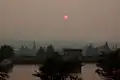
x,y
6,51
56,67
111,62
41,55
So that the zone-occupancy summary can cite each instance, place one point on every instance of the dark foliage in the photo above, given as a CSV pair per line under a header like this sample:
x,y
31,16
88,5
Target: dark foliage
x,y
55,68
110,65
50,51
3,76
6,53
41,54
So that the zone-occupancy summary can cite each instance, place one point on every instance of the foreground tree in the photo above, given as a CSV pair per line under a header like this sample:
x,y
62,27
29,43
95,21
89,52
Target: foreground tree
x,y
50,51
3,76
41,55
6,53
110,65
55,68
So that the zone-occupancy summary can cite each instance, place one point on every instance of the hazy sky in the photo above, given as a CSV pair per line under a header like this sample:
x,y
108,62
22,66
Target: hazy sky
x,y
43,19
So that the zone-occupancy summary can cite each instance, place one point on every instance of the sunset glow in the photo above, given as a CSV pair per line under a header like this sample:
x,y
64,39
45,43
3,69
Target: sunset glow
x,y
65,17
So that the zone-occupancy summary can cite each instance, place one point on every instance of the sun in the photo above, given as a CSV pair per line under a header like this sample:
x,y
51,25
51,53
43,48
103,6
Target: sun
x,y
66,17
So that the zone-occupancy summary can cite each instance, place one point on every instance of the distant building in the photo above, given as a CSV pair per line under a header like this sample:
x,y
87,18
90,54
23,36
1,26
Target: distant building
x,y
115,47
25,51
104,48
70,54
90,51
34,46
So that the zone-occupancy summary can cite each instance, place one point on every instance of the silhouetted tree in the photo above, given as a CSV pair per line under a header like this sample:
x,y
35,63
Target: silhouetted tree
x,y
55,68
110,64
6,51
41,55
50,50
3,76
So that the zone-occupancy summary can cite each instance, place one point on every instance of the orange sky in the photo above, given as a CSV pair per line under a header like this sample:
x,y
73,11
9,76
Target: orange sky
x,y
43,19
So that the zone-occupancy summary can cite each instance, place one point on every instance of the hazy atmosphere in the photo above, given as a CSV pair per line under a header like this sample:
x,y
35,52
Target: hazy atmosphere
x,y
92,20
59,39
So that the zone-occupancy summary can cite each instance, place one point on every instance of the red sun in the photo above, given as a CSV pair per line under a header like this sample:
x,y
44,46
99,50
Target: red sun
x,y
65,17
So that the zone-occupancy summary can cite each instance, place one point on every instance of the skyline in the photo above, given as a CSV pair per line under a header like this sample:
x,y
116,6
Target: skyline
x,y
89,20
57,44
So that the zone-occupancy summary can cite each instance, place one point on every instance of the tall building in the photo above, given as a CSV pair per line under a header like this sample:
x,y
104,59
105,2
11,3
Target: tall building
x,y
34,46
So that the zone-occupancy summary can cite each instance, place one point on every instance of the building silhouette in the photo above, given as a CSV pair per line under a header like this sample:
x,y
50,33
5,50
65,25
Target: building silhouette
x,y
26,51
91,51
104,48
34,46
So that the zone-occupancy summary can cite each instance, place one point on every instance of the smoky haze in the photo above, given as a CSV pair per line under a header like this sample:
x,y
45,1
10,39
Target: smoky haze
x,y
43,19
